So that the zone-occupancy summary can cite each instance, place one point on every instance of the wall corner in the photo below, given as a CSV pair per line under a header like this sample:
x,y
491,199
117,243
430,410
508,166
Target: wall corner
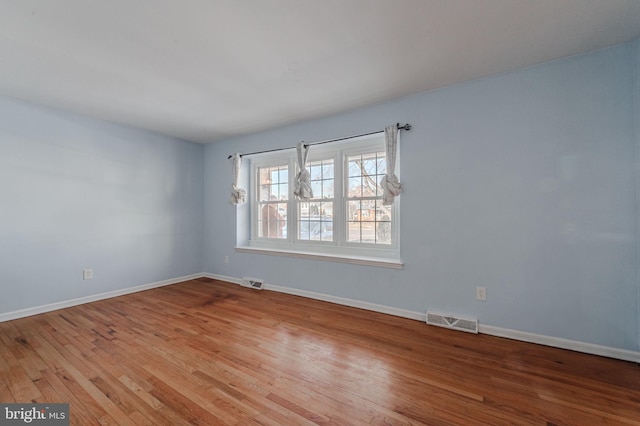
x,y
635,64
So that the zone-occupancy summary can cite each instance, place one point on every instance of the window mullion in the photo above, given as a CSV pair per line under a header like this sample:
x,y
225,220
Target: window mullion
x,y
337,195
292,205
336,209
254,188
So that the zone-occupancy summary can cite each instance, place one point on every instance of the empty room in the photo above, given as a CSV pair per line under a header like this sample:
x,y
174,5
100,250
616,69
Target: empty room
x,y
296,212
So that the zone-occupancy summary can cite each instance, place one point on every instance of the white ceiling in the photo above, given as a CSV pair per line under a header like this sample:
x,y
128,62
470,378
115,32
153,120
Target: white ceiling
x,y
205,70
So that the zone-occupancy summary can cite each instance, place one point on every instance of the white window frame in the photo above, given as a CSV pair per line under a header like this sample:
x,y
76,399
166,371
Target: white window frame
x,y
270,161
320,155
339,249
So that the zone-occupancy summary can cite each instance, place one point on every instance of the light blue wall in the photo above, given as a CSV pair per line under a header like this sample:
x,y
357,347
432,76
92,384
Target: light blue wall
x,y
523,183
77,193
636,115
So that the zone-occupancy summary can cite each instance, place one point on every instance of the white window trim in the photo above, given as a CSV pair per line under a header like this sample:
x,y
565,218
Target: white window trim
x,y
338,250
266,161
341,258
394,247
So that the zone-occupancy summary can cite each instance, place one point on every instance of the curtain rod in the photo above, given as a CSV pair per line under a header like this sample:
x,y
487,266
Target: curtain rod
x,y
406,127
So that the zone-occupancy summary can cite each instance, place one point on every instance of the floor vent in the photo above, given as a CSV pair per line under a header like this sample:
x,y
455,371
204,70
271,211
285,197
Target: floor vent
x,y
446,321
255,283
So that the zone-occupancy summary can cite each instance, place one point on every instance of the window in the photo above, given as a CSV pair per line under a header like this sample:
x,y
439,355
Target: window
x,y
369,221
272,201
344,220
315,218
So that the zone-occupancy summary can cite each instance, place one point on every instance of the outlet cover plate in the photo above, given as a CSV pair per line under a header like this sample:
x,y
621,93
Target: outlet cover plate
x,y
481,293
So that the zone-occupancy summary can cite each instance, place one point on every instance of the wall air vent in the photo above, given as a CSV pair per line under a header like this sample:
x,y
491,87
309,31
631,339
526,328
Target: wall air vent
x,y
255,283
454,323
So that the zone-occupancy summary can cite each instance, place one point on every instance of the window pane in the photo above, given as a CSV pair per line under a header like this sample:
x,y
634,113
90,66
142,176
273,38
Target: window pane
x,y
322,178
264,176
303,230
353,232
326,211
382,165
366,167
272,214
306,211
368,232
354,168
383,213
273,183
383,223
369,166
327,169
273,220
264,180
326,222
369,221
316,187
314,229
275,175
315,221
315,170
327,189
315,218
367,211
264,192
282,211
303,210
283,174
353,210
327,230
314,209
355,187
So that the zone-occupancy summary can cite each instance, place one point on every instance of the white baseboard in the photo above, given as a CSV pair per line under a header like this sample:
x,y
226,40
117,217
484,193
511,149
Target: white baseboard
x,y
7,316
574,345
328,298
557,342
232,280
349,302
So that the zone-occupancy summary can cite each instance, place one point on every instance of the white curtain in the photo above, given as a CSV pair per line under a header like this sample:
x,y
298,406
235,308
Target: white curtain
x,y
237,194
302,187
389,183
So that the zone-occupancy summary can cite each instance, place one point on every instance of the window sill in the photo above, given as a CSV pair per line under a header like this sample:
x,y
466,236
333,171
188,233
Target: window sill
x,y
354,260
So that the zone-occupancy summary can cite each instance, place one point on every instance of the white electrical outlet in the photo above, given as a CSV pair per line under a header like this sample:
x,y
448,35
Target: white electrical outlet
x,y
481,293
226,259
87,274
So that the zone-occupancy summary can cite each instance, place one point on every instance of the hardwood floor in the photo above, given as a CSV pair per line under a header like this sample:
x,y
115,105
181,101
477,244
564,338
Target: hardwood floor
x,y
207,352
